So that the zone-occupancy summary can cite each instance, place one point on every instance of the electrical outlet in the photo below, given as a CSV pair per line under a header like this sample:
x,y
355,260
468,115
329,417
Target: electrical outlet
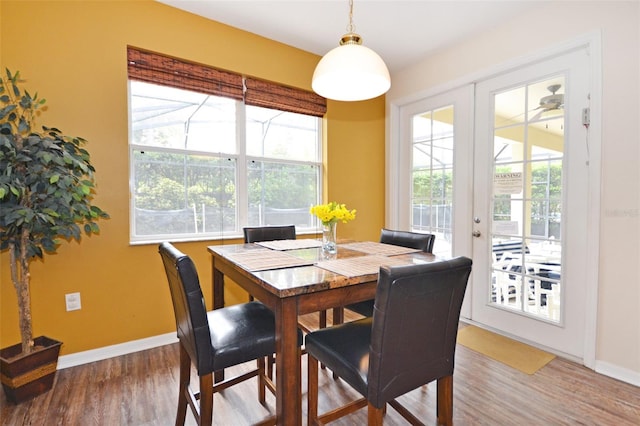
x,y
73,301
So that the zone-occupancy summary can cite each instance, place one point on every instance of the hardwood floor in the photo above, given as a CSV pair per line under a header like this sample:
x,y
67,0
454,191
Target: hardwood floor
x,y
141,389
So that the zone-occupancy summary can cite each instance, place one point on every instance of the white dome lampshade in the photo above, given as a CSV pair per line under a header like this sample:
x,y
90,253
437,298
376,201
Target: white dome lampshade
x,y
351,72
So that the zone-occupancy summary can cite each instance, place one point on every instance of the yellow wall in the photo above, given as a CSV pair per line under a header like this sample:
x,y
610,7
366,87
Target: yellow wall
x,y
74,55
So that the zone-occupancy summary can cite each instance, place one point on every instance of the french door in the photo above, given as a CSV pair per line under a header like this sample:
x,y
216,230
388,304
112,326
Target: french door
x,y
530,202
498,170
435,160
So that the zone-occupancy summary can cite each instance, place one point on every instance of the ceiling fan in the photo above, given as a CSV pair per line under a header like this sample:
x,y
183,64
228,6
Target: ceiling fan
x,y
552,102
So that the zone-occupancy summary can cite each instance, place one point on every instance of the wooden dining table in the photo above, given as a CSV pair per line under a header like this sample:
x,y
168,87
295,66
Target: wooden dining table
x,y
297,278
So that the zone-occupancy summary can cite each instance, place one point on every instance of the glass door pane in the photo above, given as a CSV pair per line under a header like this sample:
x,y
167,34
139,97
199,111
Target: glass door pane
x,y
528,146
432,176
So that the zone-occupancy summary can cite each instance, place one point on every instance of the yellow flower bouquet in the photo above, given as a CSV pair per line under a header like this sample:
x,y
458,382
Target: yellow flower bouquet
x,y
330,214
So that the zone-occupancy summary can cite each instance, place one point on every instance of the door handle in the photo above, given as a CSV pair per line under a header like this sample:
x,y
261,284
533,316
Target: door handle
x,y
476,234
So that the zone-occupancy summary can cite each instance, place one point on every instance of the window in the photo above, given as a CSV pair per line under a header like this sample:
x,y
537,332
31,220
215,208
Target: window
x,y
204,164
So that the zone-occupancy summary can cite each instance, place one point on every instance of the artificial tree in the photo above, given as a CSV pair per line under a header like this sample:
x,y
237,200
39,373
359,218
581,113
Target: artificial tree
x,y
46,191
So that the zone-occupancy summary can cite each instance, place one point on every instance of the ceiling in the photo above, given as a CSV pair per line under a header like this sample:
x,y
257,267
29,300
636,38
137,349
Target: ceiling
x,y
401,32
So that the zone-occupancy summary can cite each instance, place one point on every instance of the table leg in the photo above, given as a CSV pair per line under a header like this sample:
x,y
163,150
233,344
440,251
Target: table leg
x,y
288,368
218,289
338,315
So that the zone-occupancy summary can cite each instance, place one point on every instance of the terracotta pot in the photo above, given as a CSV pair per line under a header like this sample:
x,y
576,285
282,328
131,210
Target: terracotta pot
x,y
26,376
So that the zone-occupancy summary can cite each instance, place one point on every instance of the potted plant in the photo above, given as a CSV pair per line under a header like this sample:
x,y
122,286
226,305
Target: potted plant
x,y
46,189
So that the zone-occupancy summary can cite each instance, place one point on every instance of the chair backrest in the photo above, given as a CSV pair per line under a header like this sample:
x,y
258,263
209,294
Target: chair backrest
x,y
415,326
253,234
414,240
189,307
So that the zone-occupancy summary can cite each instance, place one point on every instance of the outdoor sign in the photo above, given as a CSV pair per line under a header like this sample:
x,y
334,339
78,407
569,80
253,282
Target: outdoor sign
x,y
507,183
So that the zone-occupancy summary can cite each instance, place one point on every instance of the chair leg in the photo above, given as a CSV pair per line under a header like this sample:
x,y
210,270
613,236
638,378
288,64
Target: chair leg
x,y
445,401
322,323
185,377
312,392
261,381
271,359
338,318
206,400
374,415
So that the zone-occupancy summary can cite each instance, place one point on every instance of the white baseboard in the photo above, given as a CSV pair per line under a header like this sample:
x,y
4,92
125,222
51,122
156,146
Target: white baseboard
x,y
99,354
619,373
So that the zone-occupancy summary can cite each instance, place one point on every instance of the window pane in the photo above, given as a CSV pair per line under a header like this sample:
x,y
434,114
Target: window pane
x,y
507,145
509,107
283,135
176,194
281,194
168,117
432,175
547,139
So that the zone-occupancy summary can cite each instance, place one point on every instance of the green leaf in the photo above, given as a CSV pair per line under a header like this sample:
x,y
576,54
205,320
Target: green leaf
x,y
51,212
46,179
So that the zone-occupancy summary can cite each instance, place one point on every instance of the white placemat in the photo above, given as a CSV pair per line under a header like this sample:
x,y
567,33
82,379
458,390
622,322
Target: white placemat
x,y
382,249
261,260
362,265
290,244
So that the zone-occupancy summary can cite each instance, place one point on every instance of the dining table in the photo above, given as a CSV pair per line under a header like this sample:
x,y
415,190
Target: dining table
x,y
297,277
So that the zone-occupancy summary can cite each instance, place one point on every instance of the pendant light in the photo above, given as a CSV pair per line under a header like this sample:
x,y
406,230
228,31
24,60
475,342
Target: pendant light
x,y
351,71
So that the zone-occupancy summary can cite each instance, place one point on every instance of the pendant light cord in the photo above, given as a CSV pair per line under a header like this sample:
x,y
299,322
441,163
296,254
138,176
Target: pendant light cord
x,y
351,28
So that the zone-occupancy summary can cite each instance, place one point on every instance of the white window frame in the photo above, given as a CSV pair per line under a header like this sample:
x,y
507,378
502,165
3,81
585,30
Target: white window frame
x,y
242,195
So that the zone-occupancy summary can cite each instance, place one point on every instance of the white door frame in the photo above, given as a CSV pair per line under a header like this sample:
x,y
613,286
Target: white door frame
x,y
394,186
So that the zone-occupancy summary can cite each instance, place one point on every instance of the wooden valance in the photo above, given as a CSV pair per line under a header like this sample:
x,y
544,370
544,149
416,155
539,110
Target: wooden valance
x,y
156,68
271,95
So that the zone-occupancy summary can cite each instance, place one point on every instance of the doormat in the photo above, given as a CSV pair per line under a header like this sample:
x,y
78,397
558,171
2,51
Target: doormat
x,y
507,351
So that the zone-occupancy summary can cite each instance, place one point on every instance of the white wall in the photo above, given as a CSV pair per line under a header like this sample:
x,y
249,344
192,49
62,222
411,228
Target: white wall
x,y
547,26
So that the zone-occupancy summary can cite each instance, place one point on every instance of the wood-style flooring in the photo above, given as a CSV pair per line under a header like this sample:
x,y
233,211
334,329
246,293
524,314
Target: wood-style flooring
x,y
141,389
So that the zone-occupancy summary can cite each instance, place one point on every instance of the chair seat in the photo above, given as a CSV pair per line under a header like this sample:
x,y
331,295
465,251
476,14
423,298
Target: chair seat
x,y
344,349
253,334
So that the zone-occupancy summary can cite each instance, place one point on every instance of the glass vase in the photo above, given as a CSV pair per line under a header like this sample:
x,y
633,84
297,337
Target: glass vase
x,y
329,238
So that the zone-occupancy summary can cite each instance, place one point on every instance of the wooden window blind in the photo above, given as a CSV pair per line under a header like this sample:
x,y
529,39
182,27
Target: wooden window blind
x,y
155,68
271,95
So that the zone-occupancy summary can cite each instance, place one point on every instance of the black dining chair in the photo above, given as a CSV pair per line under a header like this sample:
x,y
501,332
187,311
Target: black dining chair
x,y
408,342
254,234
215,340
408,239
